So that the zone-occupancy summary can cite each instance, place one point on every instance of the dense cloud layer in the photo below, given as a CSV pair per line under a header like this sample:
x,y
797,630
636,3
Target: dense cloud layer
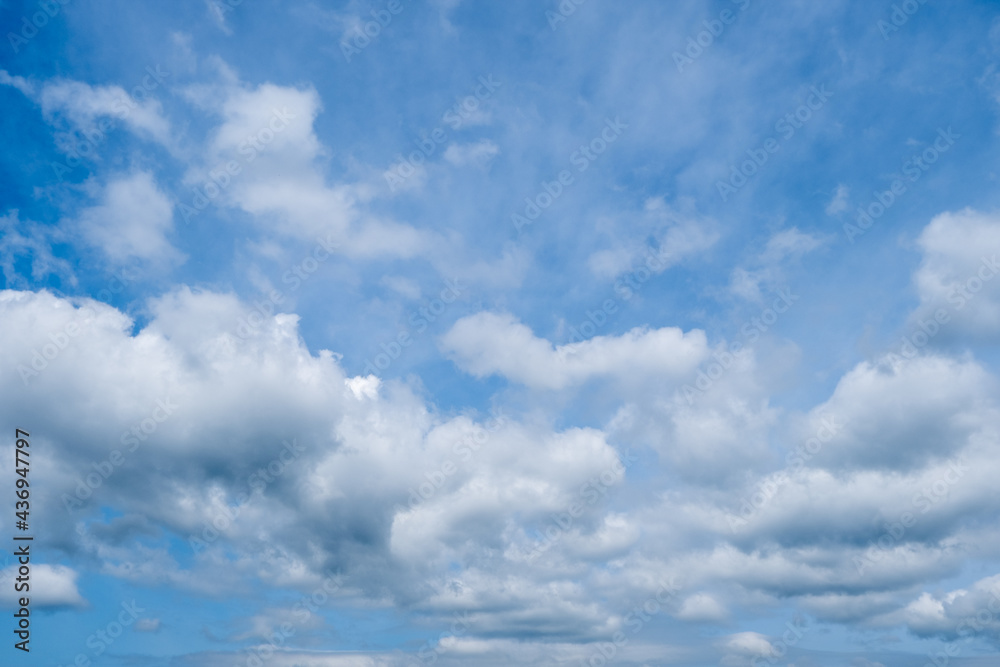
x,y
235,439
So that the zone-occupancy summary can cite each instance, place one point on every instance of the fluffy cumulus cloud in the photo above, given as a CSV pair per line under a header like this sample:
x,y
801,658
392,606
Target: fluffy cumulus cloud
x,y
488,343
957,276
54,586
884,416
264,159
701,607
131,220
962,613
353,475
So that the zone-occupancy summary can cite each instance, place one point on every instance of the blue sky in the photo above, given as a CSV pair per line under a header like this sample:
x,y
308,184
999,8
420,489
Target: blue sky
x,y
506,333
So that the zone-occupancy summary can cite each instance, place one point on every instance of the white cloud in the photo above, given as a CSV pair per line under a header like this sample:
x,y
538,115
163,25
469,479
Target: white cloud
x,y
750,644
366,449
83,104
18,82
900,413
702,607
496,343
268,133
132,220
484,494
51,586
958,274
789,243
961,613
709,431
